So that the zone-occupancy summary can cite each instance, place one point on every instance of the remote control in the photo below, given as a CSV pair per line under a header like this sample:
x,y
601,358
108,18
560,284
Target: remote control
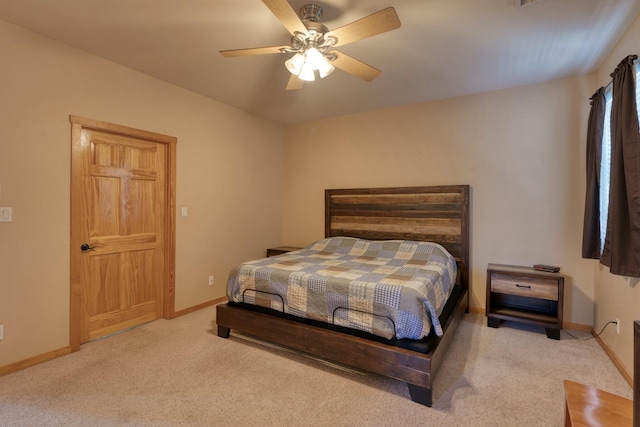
x,y
547,268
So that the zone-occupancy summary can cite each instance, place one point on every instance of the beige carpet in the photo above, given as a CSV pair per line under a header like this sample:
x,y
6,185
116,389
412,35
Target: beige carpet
x,y
178,372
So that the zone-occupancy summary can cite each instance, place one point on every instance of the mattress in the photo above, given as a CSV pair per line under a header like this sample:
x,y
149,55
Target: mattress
x,y
392,289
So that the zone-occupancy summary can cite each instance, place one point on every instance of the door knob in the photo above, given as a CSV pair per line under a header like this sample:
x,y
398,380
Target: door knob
x,y
85,247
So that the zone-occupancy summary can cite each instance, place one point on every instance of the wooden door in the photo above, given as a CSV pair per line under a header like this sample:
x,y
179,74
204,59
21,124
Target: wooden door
x,y
120,228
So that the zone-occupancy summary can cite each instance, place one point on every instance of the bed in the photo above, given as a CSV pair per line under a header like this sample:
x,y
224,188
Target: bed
x,y
381,216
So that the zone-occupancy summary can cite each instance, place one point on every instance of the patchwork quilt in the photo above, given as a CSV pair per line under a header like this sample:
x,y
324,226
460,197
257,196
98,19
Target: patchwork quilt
x,y
394,288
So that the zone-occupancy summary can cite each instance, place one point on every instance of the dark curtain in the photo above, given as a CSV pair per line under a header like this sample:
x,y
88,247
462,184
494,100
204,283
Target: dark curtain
x,y
621,251
591,228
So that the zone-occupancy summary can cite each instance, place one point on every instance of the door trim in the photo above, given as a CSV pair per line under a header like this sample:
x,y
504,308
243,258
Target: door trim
x,y
168,300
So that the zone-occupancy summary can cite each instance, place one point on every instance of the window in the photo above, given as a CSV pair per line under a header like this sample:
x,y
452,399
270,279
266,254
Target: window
x,y
612,218
637,65
605,166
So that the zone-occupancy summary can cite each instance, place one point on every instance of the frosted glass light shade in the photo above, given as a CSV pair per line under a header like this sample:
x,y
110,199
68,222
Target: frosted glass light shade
x,y
314,58
307,73
325,68
295,63
305,64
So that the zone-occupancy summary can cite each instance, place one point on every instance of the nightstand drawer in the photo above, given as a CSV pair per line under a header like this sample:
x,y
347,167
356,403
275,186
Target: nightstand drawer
x,y
534,287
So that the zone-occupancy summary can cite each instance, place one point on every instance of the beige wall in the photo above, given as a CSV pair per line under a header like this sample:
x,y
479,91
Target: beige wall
x,y
520,150
229,175
617,296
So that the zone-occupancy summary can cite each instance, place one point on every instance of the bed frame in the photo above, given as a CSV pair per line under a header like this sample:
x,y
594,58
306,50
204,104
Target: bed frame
x,y
438,214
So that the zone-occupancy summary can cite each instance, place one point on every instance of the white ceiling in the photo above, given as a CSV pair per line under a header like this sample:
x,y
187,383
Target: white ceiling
x,y
444,48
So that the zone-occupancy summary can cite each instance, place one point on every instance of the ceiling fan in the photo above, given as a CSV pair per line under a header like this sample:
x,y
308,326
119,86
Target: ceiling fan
x,y
313,44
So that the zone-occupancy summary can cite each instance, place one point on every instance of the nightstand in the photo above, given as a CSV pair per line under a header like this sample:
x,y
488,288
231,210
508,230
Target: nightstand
x,y
525,295
281,250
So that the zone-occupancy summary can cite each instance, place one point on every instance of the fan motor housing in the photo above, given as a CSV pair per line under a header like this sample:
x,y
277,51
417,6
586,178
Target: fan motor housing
x,y
315,27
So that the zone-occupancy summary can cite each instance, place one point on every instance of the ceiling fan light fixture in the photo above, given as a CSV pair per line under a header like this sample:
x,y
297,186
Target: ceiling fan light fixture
x,y
305,64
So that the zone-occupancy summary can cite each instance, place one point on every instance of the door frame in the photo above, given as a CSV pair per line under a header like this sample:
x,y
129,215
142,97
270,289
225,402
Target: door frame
x,y
168,292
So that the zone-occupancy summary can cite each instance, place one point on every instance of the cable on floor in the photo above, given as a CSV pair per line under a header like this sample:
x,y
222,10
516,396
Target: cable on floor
x,y
592,336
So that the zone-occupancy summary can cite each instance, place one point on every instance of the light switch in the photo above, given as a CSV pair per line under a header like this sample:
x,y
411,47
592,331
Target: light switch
x,y
184,212
6,214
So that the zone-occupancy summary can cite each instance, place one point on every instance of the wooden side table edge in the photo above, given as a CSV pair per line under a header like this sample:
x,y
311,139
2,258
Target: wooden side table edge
x,y
589,406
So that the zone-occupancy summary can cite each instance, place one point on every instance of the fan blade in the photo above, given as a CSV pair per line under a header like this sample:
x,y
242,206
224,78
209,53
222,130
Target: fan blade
x,y
354,67
252,51
377,23
285,13
294,83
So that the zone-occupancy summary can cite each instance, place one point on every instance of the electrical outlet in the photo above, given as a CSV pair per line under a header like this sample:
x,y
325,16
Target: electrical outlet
x,y
1,332
617,326
6,214
210,280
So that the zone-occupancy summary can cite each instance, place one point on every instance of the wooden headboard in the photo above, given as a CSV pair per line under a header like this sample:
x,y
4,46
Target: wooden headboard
x,y
437,214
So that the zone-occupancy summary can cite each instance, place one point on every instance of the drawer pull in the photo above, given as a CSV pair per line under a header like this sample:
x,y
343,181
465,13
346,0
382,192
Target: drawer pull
x,y
523,286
